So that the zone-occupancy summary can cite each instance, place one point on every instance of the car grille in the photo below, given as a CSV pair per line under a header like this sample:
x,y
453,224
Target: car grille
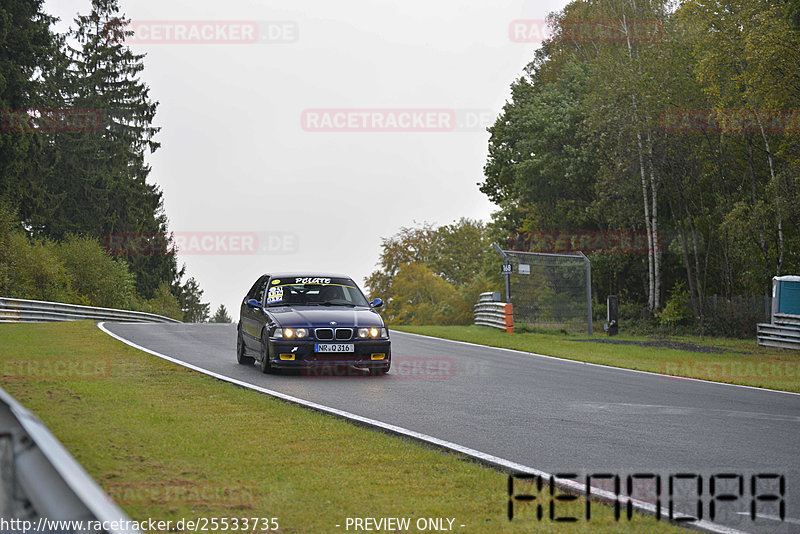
x,y
343,334
324,333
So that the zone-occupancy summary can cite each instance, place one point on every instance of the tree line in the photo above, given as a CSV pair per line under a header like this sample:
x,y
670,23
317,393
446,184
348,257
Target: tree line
x,y
76,123
433,275
679,121
674,125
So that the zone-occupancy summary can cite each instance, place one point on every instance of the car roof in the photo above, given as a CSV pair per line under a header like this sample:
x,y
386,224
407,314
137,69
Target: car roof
x,y
308,274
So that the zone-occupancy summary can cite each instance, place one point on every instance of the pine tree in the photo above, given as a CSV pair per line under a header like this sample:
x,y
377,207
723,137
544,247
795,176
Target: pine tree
x,y
96,179
194,310
221,315
27,47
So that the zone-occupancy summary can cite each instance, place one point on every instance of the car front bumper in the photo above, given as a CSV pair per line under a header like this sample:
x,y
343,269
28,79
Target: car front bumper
x,y
301,354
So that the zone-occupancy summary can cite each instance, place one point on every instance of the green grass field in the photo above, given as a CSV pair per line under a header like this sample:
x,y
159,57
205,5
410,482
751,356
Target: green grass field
x,y
738,361
168,443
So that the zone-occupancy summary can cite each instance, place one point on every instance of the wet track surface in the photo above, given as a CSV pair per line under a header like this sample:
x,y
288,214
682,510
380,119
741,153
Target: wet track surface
x,y
554,415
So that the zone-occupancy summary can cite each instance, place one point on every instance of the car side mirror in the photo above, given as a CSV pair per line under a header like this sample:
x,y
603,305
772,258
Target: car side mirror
x,y
376,303
253,303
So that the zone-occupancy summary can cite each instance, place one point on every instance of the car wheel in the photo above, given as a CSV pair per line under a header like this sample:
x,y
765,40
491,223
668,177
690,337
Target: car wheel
x,y
265,365
382,370
241,351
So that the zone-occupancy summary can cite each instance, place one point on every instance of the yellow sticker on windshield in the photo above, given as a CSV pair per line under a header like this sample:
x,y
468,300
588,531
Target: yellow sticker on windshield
x,y
276,282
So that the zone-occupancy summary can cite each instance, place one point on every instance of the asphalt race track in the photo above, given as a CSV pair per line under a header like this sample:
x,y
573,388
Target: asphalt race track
x,y
552,415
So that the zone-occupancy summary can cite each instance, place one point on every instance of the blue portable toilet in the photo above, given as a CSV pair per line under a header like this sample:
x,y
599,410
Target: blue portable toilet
x,y
785,296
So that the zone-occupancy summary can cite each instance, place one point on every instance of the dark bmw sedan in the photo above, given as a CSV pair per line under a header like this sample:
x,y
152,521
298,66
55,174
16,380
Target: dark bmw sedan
x,y
311,321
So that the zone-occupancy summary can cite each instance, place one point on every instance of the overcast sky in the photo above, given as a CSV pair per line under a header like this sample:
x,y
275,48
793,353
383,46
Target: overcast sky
x,y
243,107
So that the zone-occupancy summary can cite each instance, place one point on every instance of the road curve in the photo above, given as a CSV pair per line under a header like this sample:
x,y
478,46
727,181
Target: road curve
x,y
554,415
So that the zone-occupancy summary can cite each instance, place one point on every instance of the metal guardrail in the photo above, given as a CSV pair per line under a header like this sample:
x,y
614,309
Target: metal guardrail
x,y
489,312
37,311
42,483
783,332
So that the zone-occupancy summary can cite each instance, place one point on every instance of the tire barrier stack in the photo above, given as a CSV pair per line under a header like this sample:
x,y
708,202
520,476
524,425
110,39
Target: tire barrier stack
x,y
489,311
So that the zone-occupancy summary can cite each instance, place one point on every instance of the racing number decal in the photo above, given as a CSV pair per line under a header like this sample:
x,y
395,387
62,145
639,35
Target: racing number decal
x,y
275,294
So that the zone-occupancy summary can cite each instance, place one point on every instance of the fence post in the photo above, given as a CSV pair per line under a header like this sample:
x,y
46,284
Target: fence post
x,y
507,275
588,291
612,314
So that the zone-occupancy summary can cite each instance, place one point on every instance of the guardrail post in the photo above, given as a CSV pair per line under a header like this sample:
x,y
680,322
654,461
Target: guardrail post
x,y
588,292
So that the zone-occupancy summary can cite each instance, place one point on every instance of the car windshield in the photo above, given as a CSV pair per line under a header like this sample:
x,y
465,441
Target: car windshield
x,y
300,291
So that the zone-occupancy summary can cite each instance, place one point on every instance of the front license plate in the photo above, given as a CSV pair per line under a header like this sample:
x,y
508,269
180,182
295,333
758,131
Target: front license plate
x,y
334,347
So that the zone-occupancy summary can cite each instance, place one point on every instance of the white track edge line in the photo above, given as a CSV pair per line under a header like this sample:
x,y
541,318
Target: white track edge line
x,y
571,485
672,377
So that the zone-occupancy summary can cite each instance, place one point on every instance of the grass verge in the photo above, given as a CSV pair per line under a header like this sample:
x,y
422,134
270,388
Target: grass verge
x,y
168,443
739,361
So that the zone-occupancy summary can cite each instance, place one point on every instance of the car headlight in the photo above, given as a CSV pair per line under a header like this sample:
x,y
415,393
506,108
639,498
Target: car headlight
x,y
372,332
291,333
295,333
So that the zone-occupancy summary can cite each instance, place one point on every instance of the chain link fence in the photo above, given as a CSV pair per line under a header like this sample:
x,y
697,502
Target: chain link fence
x,y
735,317
550,290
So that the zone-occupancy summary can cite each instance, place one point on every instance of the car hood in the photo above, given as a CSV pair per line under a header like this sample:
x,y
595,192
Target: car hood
x,y
321,316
